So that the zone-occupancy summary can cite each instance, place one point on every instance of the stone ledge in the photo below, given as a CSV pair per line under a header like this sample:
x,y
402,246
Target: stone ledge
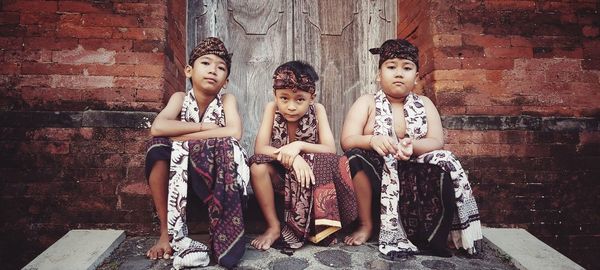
x,y
526,252
78,249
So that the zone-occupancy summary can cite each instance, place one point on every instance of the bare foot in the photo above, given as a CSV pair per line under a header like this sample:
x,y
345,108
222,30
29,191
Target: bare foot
x,y
360,236
265,240
161,250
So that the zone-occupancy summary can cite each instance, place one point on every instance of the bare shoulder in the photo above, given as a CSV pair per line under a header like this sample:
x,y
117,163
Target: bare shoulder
x,y
177,96
364,102
270,105
426,101
229,98
320,108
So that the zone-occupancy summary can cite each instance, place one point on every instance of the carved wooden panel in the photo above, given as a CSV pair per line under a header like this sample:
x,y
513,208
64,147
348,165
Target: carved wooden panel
x,y
332,35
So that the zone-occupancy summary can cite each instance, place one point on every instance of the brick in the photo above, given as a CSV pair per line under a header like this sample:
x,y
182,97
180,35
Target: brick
x,y
590,31
590,64
445,40
458,75
10,69
139,33
30,68
546,52
462,51
39,18
9,17
81,56
42,96
11,43
84,7
486,41
149,95
84,32
111,94
118,45
113,20
512,52
50,43
493,110
139,58
140,83
40,30
149,70
31,6
12,30
158,22
148,46
151,10
509,5
111,70
443,63
80,82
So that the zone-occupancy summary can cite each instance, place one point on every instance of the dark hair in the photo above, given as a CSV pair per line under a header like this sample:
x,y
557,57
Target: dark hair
x,y
211,45
300,68
296,75
397,48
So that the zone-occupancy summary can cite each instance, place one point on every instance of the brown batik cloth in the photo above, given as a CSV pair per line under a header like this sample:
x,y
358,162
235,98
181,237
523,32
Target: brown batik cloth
x,y
332,194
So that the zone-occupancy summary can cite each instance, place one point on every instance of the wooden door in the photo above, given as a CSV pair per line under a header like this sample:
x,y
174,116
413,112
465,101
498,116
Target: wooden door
x,y
332,35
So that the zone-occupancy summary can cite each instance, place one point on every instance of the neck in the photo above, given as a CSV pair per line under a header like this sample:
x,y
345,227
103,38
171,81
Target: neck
x,y
396,99
202,98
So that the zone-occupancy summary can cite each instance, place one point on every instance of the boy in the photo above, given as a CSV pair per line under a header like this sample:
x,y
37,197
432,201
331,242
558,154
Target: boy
x,y
393,140
295,146
195,140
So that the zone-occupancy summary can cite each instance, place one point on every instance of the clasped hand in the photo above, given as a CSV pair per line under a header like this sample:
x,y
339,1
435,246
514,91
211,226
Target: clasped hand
x,y
385,145
288,155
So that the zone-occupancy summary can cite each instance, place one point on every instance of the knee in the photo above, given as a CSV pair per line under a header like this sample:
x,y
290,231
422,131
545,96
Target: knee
x,y
259,169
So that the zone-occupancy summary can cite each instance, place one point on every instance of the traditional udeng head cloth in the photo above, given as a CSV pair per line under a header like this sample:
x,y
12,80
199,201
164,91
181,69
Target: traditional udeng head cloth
x,y
397,48
285,78
211,45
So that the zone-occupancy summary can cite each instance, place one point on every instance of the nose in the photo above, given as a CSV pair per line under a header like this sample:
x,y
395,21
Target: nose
x,y
291,106
213,69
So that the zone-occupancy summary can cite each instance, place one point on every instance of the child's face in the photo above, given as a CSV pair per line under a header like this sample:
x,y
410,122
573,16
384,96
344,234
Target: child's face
x,y
293,105
398,77
208,74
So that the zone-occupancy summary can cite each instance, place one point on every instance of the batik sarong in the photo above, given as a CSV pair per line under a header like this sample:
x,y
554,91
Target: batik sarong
x,y
332,194
466,226
219,175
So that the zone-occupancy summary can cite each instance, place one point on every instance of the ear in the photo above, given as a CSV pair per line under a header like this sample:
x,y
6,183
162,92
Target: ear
x,y
188,71
312,99
378,78
417,78
225,84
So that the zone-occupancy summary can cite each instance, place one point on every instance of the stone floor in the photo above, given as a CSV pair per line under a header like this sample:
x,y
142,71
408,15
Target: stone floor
x,y
131,255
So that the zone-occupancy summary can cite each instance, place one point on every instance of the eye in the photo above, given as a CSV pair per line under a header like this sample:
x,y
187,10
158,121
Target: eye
x,y
408,68
222,68
205,63
391,67
301,100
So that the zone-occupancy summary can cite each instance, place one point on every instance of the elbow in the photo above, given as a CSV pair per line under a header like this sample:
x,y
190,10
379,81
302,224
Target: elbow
x,y
237,136
154,131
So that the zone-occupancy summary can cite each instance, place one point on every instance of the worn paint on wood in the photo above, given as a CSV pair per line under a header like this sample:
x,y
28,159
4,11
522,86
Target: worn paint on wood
x,y
334,36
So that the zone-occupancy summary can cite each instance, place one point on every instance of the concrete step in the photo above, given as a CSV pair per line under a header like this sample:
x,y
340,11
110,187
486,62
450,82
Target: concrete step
x,y
78,249
527,252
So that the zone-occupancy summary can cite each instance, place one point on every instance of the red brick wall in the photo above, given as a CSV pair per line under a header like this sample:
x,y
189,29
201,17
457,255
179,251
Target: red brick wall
x,y
517,84
79,82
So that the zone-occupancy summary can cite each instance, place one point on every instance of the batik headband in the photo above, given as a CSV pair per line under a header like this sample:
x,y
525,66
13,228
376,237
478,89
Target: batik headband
x,y
285,78
211,45
397,48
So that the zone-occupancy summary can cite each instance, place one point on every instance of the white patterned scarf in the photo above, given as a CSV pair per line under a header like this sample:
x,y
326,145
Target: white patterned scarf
x,y
189,252
466,228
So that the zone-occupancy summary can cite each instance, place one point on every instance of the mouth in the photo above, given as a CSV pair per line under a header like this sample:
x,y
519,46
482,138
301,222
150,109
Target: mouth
x,y
211,80
398,83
